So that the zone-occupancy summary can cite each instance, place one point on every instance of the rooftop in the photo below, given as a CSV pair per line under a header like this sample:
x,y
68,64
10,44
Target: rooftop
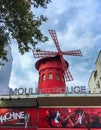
x,y
51,100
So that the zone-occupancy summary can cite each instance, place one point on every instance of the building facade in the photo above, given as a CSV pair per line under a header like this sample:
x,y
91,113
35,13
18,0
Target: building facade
x,y
50,112
5,72
95,78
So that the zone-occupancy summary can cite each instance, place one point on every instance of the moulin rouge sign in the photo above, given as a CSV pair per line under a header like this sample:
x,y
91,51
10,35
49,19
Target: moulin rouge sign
x,y
30,91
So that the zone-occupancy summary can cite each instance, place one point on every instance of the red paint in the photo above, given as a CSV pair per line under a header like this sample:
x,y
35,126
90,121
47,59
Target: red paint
x,y
18,129
50,129
51,119
63,129
53,66
69,129
73,118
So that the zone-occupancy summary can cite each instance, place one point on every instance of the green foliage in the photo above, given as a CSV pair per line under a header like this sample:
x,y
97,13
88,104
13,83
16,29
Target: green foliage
x,y
3,43
17,21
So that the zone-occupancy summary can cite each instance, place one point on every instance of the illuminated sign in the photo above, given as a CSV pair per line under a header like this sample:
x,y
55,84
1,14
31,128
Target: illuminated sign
x,y
76,89
50,129
51,118
24,117
21,91
18,128
61,90
30,91
9,116
69,118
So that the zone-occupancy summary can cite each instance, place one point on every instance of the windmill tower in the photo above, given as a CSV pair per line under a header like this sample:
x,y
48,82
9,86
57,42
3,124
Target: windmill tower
x,y
53,69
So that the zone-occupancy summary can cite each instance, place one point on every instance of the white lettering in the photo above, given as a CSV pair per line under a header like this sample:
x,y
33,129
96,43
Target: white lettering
x,y
12,116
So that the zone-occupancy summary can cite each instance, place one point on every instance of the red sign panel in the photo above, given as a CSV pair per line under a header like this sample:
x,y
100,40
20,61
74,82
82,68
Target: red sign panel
x,y
69,129
21,117
18,129
62,129
50,118
69,118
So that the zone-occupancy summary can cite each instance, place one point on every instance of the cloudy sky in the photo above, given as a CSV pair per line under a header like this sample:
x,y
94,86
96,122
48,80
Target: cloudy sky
x,y
78,26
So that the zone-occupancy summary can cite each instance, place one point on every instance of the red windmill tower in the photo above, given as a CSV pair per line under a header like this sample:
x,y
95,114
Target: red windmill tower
x,y
53,69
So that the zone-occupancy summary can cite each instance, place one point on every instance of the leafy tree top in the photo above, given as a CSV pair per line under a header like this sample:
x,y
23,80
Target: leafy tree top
x,y
17,21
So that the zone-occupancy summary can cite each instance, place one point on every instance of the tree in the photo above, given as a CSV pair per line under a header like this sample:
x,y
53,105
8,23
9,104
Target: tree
x,y
18,22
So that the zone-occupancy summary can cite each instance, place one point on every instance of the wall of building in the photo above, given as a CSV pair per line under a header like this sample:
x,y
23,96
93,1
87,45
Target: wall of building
x,y
5,71
95,79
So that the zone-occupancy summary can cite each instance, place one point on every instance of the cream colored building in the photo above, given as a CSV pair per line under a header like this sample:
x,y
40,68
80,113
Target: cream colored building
x,y
95,78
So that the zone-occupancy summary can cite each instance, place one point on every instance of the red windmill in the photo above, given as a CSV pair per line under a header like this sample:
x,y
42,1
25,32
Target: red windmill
x,y
53,68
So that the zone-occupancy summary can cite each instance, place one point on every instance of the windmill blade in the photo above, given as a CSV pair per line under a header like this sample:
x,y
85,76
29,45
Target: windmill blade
x,y
42,54
73,53
55,39
68,75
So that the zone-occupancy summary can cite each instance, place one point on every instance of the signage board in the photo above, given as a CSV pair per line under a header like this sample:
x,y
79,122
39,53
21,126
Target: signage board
x,y
50,129
18,117
50,118
69,118
18,129
30,91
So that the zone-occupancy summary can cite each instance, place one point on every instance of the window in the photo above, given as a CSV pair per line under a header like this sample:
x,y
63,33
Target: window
x,y
43,77
39,78
50,76
95,75
98,84
63,80
57,76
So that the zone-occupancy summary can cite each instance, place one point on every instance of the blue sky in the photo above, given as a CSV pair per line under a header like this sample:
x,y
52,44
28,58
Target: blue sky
x,y
78,26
